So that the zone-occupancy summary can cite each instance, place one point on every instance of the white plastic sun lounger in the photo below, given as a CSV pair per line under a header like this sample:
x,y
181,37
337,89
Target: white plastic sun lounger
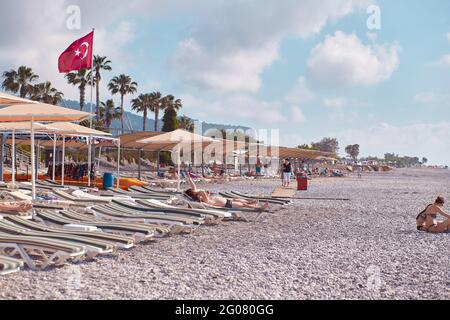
x,y
47,251
9,265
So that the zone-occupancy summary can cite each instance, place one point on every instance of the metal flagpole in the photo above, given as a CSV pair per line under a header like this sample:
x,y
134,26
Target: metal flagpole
x,y
92,76
92,94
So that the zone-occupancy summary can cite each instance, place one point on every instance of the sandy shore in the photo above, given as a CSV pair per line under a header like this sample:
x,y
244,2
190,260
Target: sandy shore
x,y
366,248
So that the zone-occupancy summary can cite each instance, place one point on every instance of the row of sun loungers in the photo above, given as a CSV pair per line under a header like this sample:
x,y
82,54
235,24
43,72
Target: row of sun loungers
x,y
80,225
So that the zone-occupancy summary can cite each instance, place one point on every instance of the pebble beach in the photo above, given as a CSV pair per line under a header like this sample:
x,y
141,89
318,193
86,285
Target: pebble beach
x,y
365,248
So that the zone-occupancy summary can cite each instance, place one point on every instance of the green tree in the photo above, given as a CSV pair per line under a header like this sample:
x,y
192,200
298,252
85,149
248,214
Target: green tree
x,y
108,113
44,92
353,151
122,85
100,64
327,145
20,81
156,106
80,79
142,104
307,147
424,160
186,123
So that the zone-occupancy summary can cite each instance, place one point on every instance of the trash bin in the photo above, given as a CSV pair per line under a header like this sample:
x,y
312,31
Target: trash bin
x,y
108,180
302,181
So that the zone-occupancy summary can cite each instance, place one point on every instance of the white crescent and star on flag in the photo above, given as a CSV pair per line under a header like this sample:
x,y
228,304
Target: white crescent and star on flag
x,y
78,52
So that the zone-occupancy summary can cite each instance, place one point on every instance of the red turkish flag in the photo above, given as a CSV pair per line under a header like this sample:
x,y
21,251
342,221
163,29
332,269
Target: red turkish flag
x,y
78,55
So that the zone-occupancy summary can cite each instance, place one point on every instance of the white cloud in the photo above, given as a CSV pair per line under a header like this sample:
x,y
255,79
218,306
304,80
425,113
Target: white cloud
x,y
423,140
342,59
297,115
300,93
431,97
236,109
444,61
228,48
336,102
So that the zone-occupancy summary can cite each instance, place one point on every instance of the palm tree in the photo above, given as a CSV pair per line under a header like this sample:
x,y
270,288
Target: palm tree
x,y
44,92
81,80
156,106
142,104
19,81
100,63
108,112
186,123
122,85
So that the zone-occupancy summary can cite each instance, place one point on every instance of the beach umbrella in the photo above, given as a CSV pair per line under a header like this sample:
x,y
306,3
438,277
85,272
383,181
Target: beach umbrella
x,y
8,100
173,142
39,112
14,127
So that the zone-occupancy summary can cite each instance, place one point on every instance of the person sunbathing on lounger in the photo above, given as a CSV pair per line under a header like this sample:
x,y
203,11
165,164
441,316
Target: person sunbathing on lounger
x,y
217,201
17,206
426,220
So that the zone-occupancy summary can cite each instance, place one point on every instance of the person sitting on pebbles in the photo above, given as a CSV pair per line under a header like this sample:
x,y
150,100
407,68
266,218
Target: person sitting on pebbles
x,y
427,219
205,197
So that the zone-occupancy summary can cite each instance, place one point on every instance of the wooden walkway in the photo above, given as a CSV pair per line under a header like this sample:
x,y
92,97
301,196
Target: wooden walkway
x,y
284,193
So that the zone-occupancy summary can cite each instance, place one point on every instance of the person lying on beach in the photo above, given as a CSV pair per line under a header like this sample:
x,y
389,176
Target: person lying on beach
x,y
16,206
205,197
426,220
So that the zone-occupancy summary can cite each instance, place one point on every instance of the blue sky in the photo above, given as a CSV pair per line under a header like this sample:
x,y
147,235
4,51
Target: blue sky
x,y
309,68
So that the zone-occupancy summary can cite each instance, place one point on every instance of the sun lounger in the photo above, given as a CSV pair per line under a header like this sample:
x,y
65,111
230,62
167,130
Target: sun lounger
x,y
234,195
139,232
146,189
122,242
9,265
136,195
155,205
79,200
93,247
45,251
145,205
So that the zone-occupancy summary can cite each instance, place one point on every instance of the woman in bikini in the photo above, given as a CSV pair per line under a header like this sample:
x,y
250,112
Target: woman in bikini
x,y
427,219
221,202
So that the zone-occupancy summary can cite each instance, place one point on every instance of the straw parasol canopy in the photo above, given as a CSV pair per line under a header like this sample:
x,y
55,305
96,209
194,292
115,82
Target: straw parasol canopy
x,y
23,126
40,112
171,140
8,100
70,128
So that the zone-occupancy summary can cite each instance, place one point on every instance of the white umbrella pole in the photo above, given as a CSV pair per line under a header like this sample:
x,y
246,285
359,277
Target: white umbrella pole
x,y
54,158
99,156
179,160
118,163
89,161
13,157
33,167
63,158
